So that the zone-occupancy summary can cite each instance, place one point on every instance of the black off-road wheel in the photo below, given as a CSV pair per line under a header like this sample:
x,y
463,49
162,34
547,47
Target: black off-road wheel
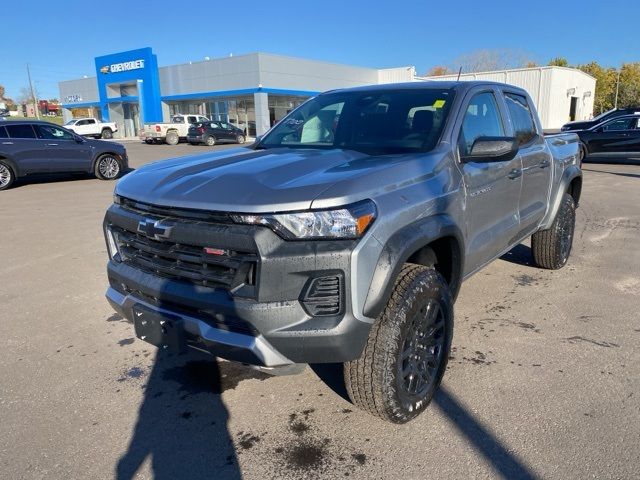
x,y
7,177
107,167
551,248
407,350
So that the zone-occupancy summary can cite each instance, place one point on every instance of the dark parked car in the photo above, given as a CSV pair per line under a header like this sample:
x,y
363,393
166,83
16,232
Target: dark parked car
x,y
619,136
39,147
603,117
211,133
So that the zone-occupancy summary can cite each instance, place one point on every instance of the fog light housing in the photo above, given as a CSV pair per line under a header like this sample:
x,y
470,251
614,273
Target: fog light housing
x,y
323,296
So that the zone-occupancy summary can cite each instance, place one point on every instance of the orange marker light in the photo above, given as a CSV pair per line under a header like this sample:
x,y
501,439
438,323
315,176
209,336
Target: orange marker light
x,y
363,222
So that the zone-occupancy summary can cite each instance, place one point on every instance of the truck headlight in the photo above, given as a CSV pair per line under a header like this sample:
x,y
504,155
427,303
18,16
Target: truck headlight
x,y
351,221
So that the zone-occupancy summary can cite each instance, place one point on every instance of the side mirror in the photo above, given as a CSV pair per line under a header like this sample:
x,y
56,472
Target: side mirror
x,y
78,138
492,149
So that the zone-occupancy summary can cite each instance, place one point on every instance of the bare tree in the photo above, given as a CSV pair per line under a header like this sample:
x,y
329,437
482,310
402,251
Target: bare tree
x,y
25,95
488,60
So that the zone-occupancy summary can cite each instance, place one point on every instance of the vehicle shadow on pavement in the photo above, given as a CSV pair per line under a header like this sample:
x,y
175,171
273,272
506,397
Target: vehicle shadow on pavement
x,y
182,421
503,461
520,255
39,178
621,174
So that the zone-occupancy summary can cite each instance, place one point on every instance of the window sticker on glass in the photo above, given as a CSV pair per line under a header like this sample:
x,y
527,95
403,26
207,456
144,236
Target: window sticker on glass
x,y
439,103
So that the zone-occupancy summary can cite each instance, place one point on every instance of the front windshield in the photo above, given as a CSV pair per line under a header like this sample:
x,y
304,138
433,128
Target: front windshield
x,y
377,122
604,114
71,122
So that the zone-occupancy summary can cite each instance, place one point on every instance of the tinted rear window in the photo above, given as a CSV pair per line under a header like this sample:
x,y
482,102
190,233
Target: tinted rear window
x,y
20,131
521,117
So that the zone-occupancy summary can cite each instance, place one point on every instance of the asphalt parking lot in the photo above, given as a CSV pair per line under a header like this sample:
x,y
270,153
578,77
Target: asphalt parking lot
x,y
544,379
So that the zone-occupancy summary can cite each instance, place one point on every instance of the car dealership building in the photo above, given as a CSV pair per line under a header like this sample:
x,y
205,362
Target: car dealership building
x,y
253,91
256,90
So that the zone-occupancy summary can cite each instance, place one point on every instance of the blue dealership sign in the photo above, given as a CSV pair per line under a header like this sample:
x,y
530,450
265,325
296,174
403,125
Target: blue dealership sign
x,y
139,67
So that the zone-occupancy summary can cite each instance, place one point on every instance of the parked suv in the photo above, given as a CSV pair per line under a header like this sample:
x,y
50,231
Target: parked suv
x,y
28,147
344,234
211,133
603,117
616,137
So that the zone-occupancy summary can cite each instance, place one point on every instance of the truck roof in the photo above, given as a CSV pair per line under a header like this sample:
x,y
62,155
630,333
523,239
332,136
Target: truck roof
x,y
461,86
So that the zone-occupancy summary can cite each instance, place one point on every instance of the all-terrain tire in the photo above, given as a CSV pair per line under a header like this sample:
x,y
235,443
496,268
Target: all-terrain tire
x,y
172,138
377,382
551,248
7,176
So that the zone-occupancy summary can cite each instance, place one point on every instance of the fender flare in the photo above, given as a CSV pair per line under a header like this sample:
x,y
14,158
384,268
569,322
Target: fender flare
x,y
568,176
400,246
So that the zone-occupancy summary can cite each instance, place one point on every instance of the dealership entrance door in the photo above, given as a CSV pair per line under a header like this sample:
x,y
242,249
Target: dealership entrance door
x,y
131,119
127,116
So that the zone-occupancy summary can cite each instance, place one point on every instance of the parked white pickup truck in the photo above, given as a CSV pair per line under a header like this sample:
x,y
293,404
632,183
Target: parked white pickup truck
x,y
170,133
91,127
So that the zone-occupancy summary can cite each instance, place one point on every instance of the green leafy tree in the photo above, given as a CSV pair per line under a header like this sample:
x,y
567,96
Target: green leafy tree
x,y
629,94
559,62
605,85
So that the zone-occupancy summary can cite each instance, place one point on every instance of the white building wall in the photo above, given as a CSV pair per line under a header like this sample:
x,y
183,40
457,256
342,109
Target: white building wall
x,y
397,75
550,88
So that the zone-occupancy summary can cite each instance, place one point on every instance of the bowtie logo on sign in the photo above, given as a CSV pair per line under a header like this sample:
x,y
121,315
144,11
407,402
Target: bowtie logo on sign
x,y
122,67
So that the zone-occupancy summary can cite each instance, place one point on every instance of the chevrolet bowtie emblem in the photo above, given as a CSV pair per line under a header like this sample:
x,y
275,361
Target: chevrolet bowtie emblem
x,y
155,229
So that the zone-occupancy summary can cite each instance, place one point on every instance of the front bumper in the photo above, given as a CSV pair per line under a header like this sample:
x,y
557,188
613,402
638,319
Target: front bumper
x,y
266,324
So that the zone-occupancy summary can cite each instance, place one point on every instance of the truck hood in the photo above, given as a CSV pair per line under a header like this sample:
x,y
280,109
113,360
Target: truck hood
x,y
245,180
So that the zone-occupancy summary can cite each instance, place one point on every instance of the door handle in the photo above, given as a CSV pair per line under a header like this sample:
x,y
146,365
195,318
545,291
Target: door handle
x,y
515,173
52,144
7,143
544,164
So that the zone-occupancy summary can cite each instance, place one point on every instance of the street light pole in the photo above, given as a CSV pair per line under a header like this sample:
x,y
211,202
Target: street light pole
x,y
33,95
615,105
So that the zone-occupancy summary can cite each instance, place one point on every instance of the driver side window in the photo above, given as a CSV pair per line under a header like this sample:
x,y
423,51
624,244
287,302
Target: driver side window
x,y
482,119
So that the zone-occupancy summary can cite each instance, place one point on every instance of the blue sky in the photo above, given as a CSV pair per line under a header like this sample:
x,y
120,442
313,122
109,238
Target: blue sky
x,y
60,39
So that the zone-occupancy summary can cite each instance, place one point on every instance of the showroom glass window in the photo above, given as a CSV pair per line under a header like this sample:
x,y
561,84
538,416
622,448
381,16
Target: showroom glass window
x,y
523,123
482,119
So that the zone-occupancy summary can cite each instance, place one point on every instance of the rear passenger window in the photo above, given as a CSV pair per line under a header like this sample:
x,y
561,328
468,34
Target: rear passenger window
x,y
3,133
482,119
525,128
20,131
621,124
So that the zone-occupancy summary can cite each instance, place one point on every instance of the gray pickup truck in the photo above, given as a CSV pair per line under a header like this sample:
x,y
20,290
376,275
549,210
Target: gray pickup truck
x,y
344,234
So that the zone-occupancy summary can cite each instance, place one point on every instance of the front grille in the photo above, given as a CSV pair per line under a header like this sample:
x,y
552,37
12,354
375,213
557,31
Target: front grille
x,y
229,269
323,296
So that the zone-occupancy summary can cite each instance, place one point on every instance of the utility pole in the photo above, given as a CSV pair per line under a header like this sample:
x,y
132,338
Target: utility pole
x,y
615,105
33,95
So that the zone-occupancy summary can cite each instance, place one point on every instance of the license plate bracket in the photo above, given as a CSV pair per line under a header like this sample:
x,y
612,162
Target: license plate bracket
x,y
159,329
